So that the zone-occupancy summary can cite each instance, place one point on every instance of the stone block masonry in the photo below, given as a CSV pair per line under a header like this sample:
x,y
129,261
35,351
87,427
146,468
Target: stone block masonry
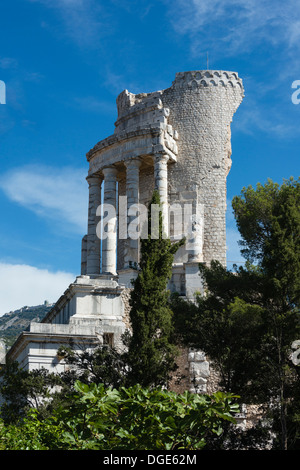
x,y
177,141
201,106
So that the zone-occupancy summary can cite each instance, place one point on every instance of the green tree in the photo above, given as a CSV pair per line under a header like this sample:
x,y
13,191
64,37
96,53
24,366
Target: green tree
x,y
226,327
44,391
248,319
268,219
22,390
104,364
151,355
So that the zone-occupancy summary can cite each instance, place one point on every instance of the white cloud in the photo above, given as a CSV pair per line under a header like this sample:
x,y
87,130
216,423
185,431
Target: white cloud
x,y
22,285
263,33
56,194
80,20
294,33
255,117
8,63
236,26
94,105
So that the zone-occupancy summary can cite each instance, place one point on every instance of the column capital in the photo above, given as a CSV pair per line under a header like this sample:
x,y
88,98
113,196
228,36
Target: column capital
x,y
109,171
94,180
161,157
134,162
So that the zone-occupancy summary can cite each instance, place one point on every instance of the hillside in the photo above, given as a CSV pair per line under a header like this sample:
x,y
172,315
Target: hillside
x,y
13,323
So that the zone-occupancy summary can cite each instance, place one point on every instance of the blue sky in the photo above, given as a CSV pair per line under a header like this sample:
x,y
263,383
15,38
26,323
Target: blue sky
x,y
65,61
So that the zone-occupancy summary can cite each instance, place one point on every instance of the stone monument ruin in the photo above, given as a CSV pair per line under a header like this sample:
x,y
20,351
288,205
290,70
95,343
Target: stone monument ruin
x,y
177,141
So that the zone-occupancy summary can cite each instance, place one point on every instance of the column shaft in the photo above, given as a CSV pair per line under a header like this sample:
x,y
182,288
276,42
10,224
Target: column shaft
x,y
83,254
93,241
161,185
109,245
131,254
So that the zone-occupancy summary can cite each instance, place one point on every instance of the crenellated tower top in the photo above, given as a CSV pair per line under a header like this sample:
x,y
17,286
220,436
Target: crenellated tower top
x,y
205,78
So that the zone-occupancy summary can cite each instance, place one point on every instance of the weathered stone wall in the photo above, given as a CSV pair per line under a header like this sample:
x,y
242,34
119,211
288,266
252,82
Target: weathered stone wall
x,y
187,124
201,106
180,381
125,295
177,140
197,111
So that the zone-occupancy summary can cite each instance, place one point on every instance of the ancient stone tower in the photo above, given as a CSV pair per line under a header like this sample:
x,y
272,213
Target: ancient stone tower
x,y
176,141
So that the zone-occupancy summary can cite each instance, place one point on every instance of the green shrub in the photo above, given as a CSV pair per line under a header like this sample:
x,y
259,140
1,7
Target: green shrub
x,y
129,418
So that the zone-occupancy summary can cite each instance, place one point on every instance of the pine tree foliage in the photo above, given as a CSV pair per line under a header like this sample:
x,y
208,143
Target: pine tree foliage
x,y
268,219
249,319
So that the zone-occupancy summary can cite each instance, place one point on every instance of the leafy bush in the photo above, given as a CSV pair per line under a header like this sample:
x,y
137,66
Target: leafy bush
x,y
129,418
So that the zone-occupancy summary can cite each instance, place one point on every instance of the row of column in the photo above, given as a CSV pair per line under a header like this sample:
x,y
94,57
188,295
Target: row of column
x,y
108,246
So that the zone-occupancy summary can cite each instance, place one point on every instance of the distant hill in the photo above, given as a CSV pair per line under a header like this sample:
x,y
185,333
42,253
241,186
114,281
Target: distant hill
x,y
13,323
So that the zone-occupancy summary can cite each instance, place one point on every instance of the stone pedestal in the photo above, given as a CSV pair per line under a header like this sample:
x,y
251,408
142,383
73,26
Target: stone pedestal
x,y
193,281
198,371
125,277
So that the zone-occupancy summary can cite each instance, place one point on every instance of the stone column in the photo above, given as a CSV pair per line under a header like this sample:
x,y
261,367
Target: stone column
x,y
131,254
194,243
2,352
93,241
83,254
109,244
161,185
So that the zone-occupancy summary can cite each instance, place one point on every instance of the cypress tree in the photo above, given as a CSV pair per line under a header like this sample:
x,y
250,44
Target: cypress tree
x,y
151,354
